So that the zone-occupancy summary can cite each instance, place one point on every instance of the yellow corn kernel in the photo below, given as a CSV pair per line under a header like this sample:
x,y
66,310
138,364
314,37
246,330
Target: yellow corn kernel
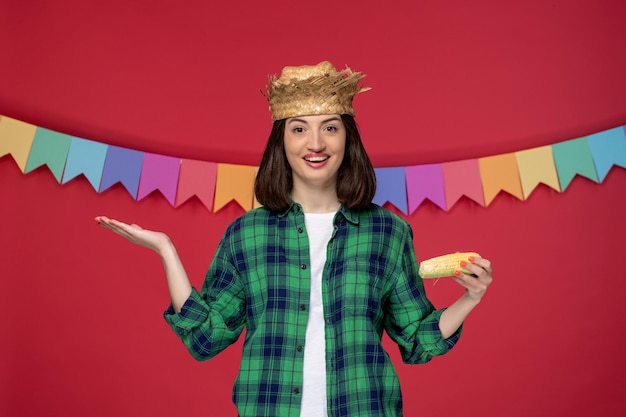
x,y
445,265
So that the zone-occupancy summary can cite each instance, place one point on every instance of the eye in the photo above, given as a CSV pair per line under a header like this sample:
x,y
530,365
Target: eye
x,y
331,128
297,130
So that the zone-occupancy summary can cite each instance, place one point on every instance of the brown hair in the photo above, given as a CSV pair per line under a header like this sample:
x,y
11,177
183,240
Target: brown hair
x,y
356,180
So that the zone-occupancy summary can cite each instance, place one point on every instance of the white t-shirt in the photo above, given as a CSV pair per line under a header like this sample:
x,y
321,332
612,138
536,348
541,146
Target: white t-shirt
x,y
319,227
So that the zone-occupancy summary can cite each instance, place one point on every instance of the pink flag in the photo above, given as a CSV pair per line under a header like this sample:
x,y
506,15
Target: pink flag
x,y
197,178
462,178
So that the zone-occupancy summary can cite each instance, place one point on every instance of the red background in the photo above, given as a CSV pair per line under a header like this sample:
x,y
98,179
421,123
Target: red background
x,y
450,80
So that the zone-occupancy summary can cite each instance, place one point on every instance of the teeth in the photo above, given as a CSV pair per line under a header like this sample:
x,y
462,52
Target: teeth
x,y
316,159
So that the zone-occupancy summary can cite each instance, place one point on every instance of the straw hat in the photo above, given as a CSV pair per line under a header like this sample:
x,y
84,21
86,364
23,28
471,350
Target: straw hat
x,y
312,89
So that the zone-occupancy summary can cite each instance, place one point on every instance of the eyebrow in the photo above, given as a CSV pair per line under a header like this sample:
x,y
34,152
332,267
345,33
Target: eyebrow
x,y
295,119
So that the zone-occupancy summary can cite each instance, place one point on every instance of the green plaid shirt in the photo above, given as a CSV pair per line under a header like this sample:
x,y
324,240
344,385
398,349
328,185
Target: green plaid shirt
x,y
259,280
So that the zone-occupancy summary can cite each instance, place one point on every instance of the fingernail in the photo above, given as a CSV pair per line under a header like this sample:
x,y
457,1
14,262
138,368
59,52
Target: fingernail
x,y
457,273
471,259
463,263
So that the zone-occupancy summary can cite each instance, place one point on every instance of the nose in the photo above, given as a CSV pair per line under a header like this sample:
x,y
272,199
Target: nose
x,y
316,141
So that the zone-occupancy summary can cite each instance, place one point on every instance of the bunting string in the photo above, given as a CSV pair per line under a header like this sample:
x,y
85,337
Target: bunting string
x,y
215,185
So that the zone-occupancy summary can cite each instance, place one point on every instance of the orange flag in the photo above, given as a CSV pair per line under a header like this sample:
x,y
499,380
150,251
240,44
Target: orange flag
x,y
234,182
537,166
500,173
16,139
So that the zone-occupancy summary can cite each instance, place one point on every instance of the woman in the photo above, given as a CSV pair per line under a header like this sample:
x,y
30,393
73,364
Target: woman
x,y
316,274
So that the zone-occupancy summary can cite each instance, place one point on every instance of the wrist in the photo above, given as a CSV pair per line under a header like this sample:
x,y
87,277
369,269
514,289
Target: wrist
x,y
470,299
164,247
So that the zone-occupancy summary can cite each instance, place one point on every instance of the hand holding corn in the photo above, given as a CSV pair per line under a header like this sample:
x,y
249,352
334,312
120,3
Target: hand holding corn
x,y
472,272
468,268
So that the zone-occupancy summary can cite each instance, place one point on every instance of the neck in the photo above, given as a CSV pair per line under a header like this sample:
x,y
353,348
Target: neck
x,y
316,200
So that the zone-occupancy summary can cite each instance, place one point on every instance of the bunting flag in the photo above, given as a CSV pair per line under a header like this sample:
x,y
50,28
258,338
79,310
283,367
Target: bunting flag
x,y
234,182
49,148
85,157
500,173
197,178
215,185
123,166
391,187
425,182
462,178
536,166
571,158
608,148
159,172
16,139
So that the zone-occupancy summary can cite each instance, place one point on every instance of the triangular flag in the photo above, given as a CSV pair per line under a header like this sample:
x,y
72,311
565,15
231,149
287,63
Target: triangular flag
x,y
122,165
462,178
85,157
49,148
608,148
16,138
573,157
391,187
197,178
537,166
425,182
500,173
234,182
159,172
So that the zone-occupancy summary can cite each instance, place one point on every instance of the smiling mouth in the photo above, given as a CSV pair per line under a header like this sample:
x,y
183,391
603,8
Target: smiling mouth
x,y
316,159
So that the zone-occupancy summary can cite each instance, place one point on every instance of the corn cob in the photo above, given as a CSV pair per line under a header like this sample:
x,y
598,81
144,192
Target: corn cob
x,y
445,265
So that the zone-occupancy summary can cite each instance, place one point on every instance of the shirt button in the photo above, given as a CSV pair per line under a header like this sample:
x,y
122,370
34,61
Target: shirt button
x,y
329,321
303,266
302,307
299,230
296,391
299,348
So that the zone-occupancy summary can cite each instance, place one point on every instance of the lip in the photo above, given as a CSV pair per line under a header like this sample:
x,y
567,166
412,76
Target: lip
x,y
316,164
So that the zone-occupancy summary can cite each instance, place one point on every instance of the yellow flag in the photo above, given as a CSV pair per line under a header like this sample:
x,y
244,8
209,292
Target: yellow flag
x,y
16,139
537,166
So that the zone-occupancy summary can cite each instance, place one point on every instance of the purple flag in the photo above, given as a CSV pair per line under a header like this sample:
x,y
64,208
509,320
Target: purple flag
x,y
122,165
391,187
159,173
425,182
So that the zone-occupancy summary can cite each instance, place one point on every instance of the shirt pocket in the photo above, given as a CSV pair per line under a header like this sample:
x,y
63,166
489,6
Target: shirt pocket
x,y
362,289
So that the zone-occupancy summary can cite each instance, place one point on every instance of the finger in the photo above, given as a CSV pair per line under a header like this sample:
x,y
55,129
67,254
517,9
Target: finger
x,y
109,223
104,222
101,220
483,263
464,279
475,287
475,270
480,282
116,226
479,266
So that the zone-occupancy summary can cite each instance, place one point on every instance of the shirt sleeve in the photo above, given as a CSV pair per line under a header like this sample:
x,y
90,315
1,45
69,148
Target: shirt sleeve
x,y
411,320
213,319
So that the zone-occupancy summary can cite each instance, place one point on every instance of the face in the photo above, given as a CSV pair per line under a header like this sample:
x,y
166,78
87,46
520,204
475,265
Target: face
x,y
315,147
